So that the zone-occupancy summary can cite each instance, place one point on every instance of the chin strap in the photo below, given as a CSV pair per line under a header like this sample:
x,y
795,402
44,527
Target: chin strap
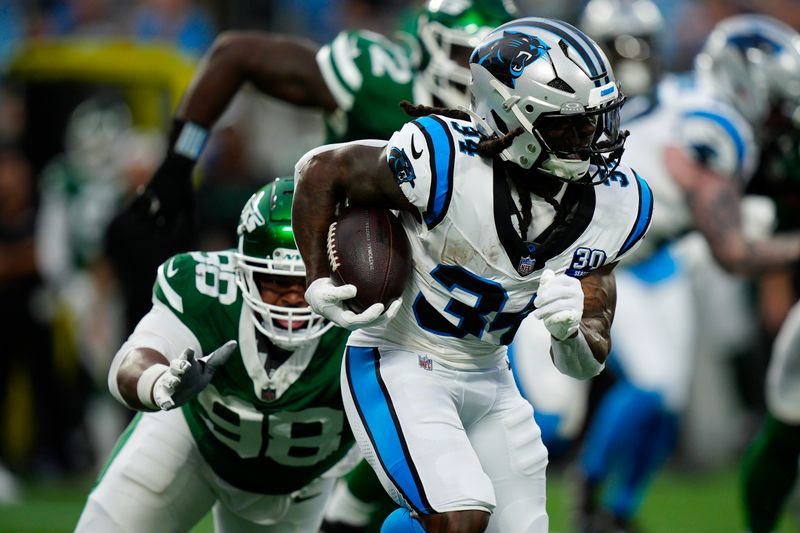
x,y
482,126
565,169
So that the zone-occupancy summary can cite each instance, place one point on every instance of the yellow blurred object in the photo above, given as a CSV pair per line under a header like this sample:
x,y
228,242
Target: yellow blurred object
x,y
153,76
18,428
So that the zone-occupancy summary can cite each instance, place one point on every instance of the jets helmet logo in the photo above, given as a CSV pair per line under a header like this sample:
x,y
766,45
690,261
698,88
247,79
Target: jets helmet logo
x,y
251,216
507,57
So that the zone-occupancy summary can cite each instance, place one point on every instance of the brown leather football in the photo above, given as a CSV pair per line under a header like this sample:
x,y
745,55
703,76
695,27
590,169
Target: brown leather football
x,y
368,248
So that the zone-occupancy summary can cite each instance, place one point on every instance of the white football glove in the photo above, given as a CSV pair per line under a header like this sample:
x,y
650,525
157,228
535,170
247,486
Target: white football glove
x,y
326,299
559,304
187,376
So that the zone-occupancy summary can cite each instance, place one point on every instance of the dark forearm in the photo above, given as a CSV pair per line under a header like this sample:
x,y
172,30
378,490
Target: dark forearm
x,y
131,369
716,209
281,66
599,304
354,172
313,210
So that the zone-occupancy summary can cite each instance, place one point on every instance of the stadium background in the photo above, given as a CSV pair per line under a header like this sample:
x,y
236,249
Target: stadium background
x,y
86,95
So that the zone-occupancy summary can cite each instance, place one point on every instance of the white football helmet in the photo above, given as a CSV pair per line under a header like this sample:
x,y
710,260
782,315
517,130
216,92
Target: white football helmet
x,y
266,247
753,63
629,32
551,80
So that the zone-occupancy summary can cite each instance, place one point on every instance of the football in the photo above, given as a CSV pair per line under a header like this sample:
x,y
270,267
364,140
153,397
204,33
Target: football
x,y
368,248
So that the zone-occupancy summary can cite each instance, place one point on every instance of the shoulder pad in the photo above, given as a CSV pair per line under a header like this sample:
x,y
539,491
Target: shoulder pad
x,y
188,283
627,203
423,157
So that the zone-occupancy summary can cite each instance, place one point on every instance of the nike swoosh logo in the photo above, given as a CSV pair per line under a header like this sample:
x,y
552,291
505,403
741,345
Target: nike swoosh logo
x,y
171,270
298,499
414,151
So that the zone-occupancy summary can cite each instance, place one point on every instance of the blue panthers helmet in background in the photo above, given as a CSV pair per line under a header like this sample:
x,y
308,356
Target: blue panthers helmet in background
x,y
753,63
554,82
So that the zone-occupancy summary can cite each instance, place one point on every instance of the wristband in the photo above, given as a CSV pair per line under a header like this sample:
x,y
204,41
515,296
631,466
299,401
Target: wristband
x,y
188,139
144,387
573,357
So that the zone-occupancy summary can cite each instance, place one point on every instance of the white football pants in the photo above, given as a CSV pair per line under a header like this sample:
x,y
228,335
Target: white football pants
x,y
157,481
443,439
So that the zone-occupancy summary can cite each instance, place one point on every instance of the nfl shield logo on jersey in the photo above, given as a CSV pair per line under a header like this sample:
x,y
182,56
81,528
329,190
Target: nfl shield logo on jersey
x,y
526,265
425,362
268,395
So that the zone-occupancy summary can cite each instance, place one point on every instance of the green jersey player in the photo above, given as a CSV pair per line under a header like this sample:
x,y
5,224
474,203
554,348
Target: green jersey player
x,y
238,384
357,80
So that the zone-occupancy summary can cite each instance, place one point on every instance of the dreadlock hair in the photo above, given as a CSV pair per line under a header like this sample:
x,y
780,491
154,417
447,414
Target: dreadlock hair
x,y
489,147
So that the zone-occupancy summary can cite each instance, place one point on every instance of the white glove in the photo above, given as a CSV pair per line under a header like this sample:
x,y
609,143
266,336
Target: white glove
x,y
187,376
326,299
559,304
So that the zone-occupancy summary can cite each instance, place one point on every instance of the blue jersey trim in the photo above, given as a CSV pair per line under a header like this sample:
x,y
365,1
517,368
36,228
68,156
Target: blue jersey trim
x,y
729,128
660,266
377,413
642,217
442,159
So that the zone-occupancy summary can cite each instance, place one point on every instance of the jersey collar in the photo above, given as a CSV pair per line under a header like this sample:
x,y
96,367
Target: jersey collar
x,y
578,204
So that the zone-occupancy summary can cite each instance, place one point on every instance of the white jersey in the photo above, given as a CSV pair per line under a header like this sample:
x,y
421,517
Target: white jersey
x,y
474,278
706,129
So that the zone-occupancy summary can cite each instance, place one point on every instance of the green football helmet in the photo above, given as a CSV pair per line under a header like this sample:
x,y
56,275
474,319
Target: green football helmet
x,y
449,30
266,246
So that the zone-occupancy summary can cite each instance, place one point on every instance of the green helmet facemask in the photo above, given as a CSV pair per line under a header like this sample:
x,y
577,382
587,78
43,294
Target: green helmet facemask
x,y
266,246
449,30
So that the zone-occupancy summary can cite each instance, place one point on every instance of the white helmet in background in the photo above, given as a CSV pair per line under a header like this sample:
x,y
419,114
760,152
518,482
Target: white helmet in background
x,y
753,63
629,32
551,80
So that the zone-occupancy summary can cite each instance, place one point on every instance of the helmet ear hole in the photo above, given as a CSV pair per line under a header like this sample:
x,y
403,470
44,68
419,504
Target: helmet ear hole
x,y
529,108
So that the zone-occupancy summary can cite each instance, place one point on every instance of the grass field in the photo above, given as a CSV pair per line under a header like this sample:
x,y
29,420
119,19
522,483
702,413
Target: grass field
x,y
678,503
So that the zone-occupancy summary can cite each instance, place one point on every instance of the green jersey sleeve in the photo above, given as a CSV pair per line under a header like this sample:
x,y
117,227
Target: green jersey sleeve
x,y
200,288
368,76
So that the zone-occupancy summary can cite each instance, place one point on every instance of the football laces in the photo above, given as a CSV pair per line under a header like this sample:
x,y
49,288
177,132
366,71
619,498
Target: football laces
x,y
333,258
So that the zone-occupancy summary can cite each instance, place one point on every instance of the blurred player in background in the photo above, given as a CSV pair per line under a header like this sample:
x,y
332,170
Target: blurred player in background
x,y
769,467
499,207
358,80
629,33
255,428
699,146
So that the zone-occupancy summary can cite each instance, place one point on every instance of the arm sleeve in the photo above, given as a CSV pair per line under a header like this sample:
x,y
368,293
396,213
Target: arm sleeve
x,y
159,330
421,157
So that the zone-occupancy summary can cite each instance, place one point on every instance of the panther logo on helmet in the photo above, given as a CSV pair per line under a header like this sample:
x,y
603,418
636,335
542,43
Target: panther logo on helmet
x,y
401,167
507,57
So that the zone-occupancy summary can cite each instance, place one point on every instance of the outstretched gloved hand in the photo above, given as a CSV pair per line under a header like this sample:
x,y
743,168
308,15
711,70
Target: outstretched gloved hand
x,y
187,376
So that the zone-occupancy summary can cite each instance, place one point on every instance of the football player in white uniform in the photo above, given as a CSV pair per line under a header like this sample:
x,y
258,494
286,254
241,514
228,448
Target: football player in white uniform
x,y
698,146
628,32
499,205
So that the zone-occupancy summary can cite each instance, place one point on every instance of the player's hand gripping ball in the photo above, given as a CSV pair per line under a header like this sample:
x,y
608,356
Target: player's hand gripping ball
x,y
368,248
